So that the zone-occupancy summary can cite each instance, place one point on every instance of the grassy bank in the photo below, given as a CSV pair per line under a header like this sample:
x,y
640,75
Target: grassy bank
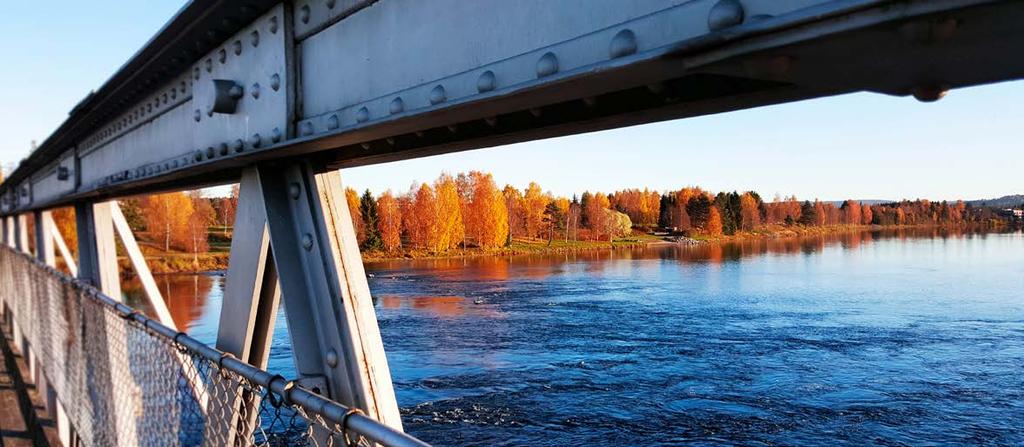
x,y
176,262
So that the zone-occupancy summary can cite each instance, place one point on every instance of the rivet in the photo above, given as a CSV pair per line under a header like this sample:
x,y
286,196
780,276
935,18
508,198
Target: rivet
x,y
724,14
197,115
275,81
332,358
547,65
332,122
362,115
238,145
304,13
330,4
397,106
275,135
536,112
237,46
365,146
195,72
223,148
929,92
273,25
209,65
453,128
174,94
623,44
255,140
307,241
294,190
306,128
390,141
486,82
254,38
437,95
209,152
255,90
222,56
491,121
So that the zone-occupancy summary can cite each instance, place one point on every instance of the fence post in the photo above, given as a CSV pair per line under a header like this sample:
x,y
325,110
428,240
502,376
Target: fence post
x,y
97,258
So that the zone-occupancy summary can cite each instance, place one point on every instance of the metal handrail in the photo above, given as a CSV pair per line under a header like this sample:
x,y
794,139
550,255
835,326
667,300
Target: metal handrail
x,y
289,391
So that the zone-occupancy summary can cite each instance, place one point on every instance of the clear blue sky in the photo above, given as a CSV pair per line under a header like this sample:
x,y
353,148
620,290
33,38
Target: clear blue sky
x,y
862,146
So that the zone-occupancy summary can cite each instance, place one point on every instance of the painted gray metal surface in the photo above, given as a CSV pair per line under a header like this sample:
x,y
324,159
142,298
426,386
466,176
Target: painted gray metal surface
x,y
349,82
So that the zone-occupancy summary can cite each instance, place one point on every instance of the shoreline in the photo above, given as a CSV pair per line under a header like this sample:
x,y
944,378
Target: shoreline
x,y
216,263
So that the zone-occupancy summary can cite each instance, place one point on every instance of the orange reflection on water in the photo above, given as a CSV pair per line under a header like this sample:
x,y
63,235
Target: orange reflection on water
x,y
185,296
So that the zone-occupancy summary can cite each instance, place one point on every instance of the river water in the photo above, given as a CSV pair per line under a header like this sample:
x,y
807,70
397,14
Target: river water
x,y
886,338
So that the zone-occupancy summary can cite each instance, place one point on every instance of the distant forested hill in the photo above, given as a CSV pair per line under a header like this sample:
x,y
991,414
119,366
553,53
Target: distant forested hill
x,y
1010,201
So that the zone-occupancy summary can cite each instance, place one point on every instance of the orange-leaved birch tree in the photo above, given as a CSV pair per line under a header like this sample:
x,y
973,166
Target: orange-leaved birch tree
x,y
389,222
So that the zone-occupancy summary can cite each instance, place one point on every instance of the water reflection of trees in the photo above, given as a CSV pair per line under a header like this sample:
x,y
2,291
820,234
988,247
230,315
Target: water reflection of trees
x,y
185,296
501,268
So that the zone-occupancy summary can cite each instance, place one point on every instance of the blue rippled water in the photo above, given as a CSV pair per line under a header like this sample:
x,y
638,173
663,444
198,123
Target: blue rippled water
x,y
873,338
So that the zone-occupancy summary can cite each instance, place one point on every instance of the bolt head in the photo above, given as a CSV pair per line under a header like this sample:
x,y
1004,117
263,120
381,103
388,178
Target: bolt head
x,y
397,106
275,82
363,115
304,13
547,65
294,190
332,358
307,241
623,44
333,123
486,82
238,145
724,14
237,47
255,140
437,95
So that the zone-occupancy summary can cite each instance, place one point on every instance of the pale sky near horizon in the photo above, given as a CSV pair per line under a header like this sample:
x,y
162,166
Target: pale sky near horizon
x,y
862,146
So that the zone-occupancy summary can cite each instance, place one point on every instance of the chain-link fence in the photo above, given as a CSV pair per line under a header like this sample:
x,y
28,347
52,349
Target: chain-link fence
x,y
125,379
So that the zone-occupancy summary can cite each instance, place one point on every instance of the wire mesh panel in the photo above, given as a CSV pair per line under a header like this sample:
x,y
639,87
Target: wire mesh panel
x,y
125,379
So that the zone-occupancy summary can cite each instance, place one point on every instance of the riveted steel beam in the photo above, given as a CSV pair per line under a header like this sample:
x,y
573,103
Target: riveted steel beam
x,y
352,82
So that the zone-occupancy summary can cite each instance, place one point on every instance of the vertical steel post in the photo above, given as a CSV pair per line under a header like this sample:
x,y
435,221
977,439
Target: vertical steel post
x,y
46,235
331,320
97,250
249,307
97,257
21,233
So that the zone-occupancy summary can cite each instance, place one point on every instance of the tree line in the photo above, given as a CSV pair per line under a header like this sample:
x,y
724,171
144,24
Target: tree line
x,y
469,210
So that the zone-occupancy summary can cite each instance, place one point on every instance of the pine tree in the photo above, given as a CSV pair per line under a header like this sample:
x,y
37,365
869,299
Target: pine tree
x,y
368,212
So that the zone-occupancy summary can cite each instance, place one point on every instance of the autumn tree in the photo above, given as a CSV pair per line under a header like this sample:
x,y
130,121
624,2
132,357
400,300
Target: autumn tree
x,y
534,203
713,226
167,218
226,208
450,229
750,214
422,218
514,211
352,199
598,218
389,222
198,225
487,220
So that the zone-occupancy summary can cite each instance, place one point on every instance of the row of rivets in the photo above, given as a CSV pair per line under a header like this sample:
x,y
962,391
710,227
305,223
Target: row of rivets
x,y
129,118
624,43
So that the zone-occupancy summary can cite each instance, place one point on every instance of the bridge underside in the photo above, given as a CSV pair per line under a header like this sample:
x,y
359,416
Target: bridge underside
x,y
372,82
275,96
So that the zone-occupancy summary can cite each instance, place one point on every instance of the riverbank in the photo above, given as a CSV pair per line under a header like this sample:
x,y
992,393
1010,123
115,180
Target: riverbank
x,y
162,263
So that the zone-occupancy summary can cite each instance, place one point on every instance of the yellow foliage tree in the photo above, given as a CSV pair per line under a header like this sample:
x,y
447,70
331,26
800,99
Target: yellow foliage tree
x,y
167,218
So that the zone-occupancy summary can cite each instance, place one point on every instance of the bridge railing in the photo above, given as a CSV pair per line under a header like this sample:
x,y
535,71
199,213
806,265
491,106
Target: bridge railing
x,y
126,379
